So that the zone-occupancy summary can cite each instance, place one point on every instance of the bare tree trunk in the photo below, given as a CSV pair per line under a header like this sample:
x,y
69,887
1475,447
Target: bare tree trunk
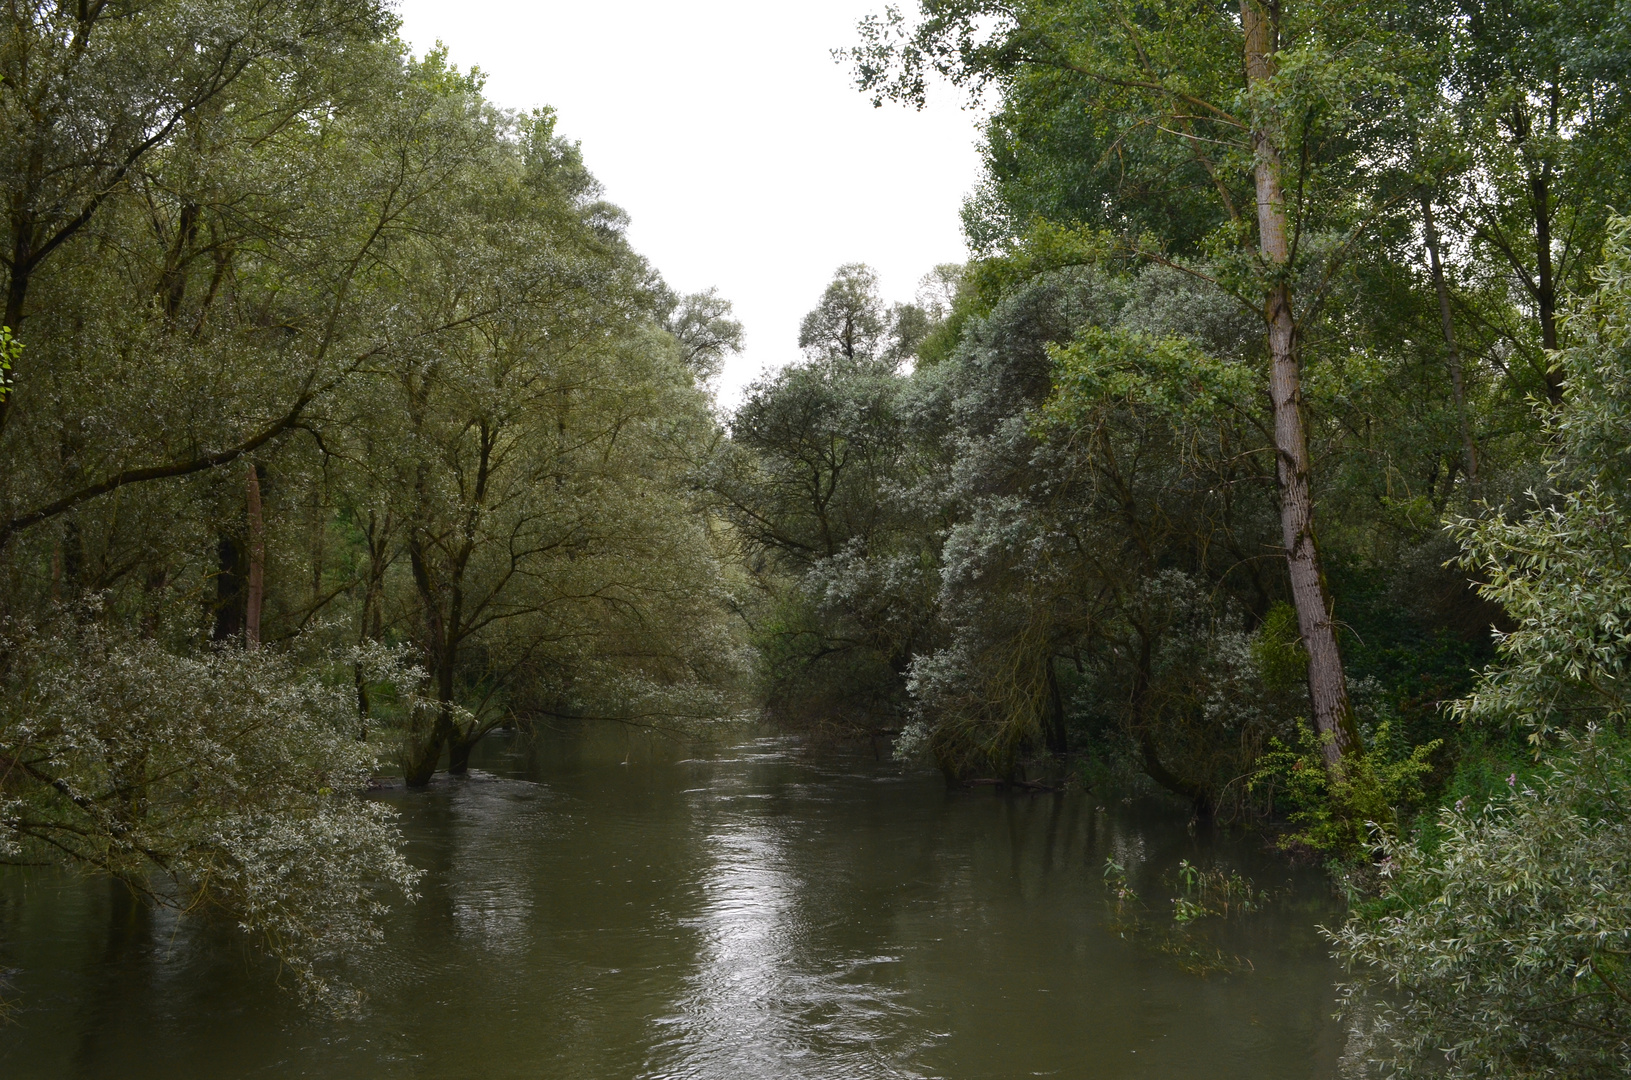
x,y
1545,286
1327,686
1452,349
257,562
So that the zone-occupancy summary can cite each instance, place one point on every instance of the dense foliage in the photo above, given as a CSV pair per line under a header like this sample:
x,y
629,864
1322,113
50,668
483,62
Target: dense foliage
x,y
1508,926
340,426
1270,450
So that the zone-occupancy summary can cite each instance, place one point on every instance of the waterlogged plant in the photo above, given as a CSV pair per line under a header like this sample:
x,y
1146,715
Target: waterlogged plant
x,y
225,784
1505,949
1336,809
1213,891
1121,888
1206,892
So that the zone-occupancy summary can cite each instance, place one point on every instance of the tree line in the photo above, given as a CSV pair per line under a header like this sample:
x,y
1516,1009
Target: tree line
x,y
340,426
1265,452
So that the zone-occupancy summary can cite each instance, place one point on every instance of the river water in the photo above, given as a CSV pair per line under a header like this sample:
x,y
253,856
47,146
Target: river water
x,y
612,906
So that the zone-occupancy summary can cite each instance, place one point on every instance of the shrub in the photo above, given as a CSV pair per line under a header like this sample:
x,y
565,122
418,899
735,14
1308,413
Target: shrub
x,y
1502,950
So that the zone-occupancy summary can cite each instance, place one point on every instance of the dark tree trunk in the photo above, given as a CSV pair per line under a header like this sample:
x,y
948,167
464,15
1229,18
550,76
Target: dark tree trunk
x,y
173,278
419,761
73,559
231,571
363,707
1545,287
458,753
440,652
1154,767
1327,686
1055,728
255,584
16,294
1452,349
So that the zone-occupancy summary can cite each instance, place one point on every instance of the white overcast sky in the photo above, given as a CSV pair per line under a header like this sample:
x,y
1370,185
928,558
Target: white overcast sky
x,y
741,151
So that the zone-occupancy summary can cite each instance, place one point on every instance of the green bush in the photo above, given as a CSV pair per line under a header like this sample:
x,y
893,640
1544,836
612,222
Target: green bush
x,y
1501,950
1337,811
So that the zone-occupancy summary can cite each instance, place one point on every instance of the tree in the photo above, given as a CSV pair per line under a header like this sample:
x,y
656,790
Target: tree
x,y
221,782
261,245
1243,110
1560,570
702,324
331,365
93,92
1505,926
820,482
1535,92
1500,950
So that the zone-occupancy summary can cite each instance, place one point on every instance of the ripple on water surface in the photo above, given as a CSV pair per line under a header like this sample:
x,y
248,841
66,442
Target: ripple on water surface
x,y
601,907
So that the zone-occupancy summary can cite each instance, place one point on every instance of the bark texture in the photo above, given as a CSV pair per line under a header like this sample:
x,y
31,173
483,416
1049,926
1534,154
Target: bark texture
x,y
1327,686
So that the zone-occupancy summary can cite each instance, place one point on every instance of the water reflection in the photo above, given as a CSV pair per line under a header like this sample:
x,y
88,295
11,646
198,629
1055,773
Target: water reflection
x,y
763,1001
494,833
596,908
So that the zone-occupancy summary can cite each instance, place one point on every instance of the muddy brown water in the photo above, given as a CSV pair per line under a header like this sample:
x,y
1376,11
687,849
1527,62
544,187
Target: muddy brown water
x,y
600,905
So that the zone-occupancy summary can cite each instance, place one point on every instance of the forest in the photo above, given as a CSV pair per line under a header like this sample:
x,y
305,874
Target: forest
x,y
1270,451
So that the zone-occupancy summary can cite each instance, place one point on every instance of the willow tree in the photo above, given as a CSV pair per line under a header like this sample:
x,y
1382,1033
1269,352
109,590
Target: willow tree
x,y
252,224
94,92
820,482
522,451
1238,144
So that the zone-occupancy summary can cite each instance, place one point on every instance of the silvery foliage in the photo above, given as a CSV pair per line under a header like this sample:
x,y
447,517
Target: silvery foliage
x,y
1038,561
1502,952
1563,569
999,566
702,325
226,783
827,481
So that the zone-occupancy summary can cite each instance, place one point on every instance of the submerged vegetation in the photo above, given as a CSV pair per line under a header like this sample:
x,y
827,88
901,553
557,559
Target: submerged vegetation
x,y
1269,451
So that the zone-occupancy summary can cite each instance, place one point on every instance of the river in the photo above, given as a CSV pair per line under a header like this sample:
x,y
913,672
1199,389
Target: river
x,y
610,905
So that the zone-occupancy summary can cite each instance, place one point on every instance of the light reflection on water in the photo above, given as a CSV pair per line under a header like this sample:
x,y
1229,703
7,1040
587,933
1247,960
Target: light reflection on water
x,y
761,1001
598,908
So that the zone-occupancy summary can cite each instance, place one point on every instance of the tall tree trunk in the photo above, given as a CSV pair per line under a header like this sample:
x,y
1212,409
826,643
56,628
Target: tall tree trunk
x,y
229,588
369,623
421,755
458,753
1545,286
16,293
1452,349
1327,687
256,585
